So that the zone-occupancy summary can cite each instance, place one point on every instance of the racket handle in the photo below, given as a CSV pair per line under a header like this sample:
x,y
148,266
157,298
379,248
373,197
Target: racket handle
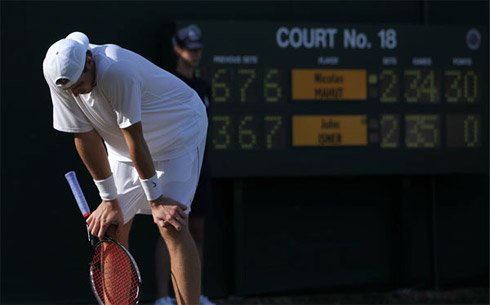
x,y
71,177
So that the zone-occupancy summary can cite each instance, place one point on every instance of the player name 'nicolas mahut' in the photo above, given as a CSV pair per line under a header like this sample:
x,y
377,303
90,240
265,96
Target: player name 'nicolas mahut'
x,y
329,92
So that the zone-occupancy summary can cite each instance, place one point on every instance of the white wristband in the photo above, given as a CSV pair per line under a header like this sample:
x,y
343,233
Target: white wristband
x,y
107,188
151,187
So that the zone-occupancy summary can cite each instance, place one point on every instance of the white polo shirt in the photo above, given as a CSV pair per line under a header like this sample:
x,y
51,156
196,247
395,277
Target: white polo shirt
x,y
131,89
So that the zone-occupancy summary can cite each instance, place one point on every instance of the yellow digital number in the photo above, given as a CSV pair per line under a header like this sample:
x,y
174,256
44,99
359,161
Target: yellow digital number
x,y
246,78
273,127
272,89
390,129
453,89
221,132
421,86
247,138
428,87
412,92
220,85
471,131
470,87
461,86
422,131
388,81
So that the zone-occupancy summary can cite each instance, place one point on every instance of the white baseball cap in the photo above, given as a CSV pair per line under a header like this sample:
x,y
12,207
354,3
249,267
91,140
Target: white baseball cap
x,y
65,59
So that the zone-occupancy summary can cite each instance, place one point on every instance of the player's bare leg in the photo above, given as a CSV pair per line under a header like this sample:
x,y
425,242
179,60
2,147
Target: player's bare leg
x,y
123,236
185,265
162,264
110,288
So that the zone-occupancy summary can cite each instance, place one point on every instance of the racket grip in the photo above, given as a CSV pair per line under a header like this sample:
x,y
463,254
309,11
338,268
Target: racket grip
x,y
71,177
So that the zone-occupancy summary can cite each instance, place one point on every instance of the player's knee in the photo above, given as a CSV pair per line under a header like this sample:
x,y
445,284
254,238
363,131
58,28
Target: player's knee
x,y
121,236
170,233
175,239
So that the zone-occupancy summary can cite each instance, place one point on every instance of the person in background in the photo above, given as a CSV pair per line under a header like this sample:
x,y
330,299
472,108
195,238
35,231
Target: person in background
x,y
188,46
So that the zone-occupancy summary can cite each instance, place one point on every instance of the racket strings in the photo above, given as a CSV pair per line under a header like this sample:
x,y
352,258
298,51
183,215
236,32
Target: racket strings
x,y
114,276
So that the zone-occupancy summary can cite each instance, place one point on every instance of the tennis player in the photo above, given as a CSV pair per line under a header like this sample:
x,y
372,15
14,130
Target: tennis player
x,y
141,132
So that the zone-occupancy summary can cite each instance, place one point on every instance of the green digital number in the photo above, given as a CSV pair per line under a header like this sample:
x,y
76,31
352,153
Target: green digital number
x,y
470,87
390,131
272,89
421,86
453,89
471,131
220,85
221,132
422,131
246,79
274,132
461,86
389,86
247,132
412,92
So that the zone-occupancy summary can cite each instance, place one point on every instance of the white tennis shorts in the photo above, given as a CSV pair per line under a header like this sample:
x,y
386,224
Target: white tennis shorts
x,y
178,178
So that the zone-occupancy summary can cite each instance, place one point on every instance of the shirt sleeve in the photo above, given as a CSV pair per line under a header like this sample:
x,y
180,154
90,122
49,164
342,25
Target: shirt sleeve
x,y
67,115
122,89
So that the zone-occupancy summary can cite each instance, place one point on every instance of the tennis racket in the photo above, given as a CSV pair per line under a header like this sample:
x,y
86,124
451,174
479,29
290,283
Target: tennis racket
x,y
114,275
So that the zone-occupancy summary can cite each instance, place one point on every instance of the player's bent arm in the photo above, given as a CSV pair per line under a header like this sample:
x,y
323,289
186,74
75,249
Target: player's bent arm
x,y
173,211
92,151
138,150
140,155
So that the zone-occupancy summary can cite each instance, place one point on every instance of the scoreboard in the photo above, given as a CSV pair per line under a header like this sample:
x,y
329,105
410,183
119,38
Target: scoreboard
x,y
301,99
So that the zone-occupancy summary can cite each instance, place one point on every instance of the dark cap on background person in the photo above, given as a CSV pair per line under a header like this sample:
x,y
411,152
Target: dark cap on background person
x,y
189,37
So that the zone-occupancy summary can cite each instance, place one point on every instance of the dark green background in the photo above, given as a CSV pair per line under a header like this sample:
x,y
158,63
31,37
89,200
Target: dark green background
x,y
265,234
